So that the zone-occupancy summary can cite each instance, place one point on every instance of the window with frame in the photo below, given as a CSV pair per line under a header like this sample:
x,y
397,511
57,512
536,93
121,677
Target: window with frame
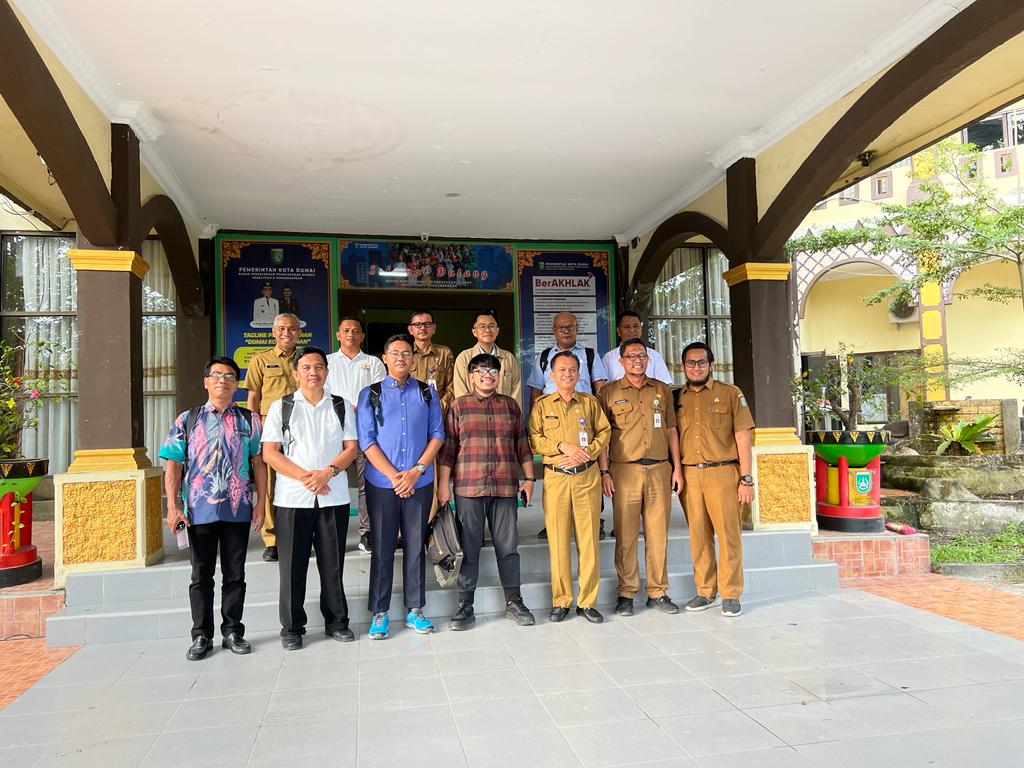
x,y
691,303
989,133
881,185
850,195
1005,162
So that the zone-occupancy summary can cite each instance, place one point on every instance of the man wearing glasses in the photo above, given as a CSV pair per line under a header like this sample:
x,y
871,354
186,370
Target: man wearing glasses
x,y
400,431
431,363
714,444
637,470
485,330
630,327
485,448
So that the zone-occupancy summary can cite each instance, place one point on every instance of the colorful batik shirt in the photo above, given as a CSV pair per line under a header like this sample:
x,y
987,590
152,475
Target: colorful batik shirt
x,y
217,485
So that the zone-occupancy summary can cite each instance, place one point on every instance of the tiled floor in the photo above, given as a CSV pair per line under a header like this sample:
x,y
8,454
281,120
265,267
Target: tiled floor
x,y
839,679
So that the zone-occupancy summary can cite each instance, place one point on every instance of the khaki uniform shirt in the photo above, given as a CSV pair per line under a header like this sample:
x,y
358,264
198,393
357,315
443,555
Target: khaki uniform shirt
x,y
553,421
709,420
438,366
270,375
509,380
640,419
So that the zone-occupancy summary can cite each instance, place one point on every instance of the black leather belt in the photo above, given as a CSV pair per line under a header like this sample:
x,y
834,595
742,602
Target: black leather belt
x,y
571,470
648,462
713,464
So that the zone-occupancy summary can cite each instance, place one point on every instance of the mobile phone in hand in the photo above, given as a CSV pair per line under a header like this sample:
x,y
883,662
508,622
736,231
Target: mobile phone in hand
x,y
182,534
522,498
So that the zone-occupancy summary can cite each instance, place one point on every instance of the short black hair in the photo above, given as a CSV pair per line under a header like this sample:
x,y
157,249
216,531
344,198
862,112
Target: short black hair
x,y
354,319
483,313
564,353
484,360
421,312
285,285
311,350
266,284
222,360
624,315
698,345
629,343
399,337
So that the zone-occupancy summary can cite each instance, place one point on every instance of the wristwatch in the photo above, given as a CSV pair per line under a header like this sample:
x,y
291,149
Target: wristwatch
x,y
746,480
421,468
335,471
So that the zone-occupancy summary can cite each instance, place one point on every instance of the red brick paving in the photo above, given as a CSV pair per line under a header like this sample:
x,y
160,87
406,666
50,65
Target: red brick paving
x,y
24,608
23,662
880,554
970,602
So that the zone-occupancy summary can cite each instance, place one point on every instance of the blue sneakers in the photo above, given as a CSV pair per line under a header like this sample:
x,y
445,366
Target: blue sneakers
x,y
379,626
416,621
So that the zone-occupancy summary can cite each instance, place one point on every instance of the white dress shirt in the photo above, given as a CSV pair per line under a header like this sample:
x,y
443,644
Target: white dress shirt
x,y
348,376
315,437
264,311
656,367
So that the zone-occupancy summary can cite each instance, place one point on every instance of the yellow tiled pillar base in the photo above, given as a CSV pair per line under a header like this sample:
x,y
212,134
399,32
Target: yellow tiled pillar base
x,y
107,520
783,483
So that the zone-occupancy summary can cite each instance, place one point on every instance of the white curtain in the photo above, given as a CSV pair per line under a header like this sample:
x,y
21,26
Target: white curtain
x,y
718,304
158,347
38,277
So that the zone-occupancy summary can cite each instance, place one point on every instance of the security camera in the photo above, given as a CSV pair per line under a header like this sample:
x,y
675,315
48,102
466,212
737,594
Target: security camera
x,y
424,236
634,243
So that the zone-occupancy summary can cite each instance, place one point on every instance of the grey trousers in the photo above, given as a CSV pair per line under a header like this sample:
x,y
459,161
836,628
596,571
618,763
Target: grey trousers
x,y
357,477
501,516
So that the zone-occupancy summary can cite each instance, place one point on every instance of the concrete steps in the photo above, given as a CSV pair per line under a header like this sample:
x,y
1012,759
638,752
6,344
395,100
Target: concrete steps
x,y
152,603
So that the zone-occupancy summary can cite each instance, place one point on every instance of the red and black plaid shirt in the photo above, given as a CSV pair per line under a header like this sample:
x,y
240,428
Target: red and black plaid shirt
x,y
485,444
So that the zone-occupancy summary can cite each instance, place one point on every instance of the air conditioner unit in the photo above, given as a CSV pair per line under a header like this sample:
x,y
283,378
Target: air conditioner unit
x,y
903,313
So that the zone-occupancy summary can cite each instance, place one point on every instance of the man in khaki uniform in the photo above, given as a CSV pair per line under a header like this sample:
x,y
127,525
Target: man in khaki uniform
x,y
485,330
269,378
432,363
569,430
644,464
715,438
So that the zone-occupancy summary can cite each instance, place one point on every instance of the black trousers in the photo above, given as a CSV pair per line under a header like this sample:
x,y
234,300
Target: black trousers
x,y
390,514
204,539
324,529
501,515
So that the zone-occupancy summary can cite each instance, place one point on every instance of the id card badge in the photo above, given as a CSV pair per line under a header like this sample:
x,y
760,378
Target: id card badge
x,y
432,383
657,420
584,440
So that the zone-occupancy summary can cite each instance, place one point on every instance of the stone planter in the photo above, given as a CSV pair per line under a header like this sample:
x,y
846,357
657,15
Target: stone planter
x,y
847,479
19,562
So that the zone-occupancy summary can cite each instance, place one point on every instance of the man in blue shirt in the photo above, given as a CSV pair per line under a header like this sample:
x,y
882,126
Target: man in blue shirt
x,y
592,377
215,444
400,432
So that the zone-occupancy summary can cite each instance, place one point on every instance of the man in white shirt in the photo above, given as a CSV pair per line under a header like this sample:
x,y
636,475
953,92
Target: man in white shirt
x,y
349,371
630,327
485,329
310,440
265,308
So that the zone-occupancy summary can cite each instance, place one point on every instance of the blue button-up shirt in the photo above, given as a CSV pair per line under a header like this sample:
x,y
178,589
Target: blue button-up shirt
x,y
409,424
542,379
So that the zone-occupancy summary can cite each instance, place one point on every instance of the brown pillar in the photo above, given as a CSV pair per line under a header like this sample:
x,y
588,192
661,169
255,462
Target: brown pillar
x,y
110,410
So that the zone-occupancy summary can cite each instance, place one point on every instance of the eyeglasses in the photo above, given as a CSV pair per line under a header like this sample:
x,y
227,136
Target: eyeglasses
x,y
635,357
396,355
220,375
565,328
696,363
488,371
487,327
420,325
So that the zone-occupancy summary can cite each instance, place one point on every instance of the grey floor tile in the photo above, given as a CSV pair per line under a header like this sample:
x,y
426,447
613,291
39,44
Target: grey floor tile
x,y
839,682
497,685
163,666
498,718
92,670
384,671
896,713
690,641
418,692
764,690
681,697
657,669
810,723
579,628
481,635
150,690
219,747
20,757
387,737
920,674
215,683
553,655
591,707
986,667
56,698
924,645
978,703
719,664
548,749
779,757
326,673
716,732
121,752
241,711
617,648
587,676
758,637
329,741
640,740
982,640
316,650
305,703
793,657
481,661
650,621
399,643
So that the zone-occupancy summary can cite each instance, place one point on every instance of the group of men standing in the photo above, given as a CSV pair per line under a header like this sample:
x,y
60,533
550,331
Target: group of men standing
x,y
417,428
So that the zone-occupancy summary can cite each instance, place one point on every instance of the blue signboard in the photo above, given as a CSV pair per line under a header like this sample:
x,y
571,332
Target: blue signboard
x,y
434,264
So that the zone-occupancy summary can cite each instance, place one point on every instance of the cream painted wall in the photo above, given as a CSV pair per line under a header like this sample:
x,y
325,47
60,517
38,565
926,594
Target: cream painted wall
x,y
978,328
835,314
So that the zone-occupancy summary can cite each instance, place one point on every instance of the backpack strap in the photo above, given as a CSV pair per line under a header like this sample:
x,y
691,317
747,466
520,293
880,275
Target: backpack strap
x,y
287,406
338,403
248,420
544,360
590,364
425,392
375,406
676,394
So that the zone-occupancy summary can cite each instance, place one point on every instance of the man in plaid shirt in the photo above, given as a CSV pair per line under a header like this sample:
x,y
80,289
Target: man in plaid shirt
x,y
486,445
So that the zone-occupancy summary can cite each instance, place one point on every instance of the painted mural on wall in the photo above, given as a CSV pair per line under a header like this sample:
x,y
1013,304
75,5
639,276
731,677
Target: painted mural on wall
x,y
259,277
432,264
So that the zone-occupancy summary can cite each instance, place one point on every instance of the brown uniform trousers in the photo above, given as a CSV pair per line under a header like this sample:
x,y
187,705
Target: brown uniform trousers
x,y
437,366
708,421
641,420
270,374
572,503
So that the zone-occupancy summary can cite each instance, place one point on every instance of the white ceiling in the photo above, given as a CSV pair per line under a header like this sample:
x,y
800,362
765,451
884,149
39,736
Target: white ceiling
x,y
568,119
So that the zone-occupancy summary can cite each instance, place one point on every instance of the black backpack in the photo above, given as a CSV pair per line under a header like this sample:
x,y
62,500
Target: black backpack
x,y
444,547
378,409
288,405
590,362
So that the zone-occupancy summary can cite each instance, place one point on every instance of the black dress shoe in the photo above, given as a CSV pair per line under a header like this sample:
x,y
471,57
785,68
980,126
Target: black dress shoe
x,y
200,647
235,643
542,533
463,618
558,613
270,554
624,606
292,643
342,635
590,614
663,604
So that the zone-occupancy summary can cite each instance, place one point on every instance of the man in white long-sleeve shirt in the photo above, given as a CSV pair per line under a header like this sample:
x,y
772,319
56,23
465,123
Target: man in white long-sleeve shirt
x,y
630,327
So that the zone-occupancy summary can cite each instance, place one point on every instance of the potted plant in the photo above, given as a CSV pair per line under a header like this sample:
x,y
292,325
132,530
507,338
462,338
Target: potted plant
x,y
962,438
19,406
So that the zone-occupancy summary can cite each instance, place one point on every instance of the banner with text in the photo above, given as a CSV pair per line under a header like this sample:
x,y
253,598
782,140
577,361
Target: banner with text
x,y
432,264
